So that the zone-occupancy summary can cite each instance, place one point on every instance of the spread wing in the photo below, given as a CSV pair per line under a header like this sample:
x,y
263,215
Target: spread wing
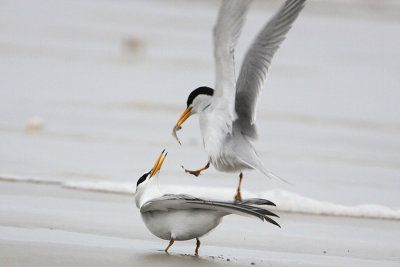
x,y
257,62
185,202
226,33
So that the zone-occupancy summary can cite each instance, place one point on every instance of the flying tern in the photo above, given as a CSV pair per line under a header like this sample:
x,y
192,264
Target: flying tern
x,y
184,217
227,114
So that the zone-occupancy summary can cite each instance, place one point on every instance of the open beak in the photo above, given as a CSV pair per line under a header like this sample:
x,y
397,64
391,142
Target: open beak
x,y
186,114
158,164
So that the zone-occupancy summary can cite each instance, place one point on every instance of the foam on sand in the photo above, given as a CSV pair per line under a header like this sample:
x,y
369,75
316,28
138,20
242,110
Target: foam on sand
x,y
285,200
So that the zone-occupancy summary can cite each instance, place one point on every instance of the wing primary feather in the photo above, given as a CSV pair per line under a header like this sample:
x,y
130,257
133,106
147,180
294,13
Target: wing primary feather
x,y
240,208
257,62
170,201
226,32
257,201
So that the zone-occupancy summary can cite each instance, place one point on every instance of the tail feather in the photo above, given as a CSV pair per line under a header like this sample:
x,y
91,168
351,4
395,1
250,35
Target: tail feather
x,y
271,175
258,165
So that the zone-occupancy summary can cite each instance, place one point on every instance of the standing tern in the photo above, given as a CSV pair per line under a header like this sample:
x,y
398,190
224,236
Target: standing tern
x,y
227,114
184,217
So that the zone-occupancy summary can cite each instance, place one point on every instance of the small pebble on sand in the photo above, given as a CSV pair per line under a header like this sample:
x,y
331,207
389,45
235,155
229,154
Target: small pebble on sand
x,y
34,124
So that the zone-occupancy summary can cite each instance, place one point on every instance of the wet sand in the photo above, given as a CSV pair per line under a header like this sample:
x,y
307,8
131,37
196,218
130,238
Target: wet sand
x,y
46,225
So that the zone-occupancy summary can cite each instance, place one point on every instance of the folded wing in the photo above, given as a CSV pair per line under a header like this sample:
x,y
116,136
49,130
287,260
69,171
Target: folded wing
x,y
257,62
184,202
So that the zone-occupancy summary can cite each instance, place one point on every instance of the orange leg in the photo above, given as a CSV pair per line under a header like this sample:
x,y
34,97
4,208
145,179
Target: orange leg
x,y
197,246
197,173
238,196
170,244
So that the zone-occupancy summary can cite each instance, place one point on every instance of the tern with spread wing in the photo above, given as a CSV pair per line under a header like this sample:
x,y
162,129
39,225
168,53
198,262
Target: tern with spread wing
x,y
184,217
227,114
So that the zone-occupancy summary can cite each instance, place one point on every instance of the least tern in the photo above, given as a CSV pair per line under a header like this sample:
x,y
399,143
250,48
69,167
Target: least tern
x,y
184,217
227,114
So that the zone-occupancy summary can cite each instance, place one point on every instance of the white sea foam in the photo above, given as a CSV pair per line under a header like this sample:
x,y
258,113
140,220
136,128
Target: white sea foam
x,y
291,202
285,200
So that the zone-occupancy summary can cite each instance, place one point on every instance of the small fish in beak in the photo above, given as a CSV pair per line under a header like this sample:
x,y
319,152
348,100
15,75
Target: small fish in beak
x,y
185,115
174,130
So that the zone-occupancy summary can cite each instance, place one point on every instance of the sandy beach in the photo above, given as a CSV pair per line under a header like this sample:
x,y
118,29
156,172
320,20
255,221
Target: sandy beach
x,y
45,225
90,91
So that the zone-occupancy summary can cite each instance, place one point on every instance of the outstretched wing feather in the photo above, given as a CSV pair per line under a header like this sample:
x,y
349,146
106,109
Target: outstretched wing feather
x,y
257,62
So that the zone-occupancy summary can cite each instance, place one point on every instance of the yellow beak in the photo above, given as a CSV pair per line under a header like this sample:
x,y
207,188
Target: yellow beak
x,y
186,114
158,164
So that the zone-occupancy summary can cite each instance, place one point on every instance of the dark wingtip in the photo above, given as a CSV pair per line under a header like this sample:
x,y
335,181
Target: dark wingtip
x,y
258,201
268,202
271,221
273,214
266,212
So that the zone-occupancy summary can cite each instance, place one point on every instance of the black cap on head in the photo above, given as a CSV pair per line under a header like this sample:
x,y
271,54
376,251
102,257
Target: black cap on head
x,y
204,90
143,178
